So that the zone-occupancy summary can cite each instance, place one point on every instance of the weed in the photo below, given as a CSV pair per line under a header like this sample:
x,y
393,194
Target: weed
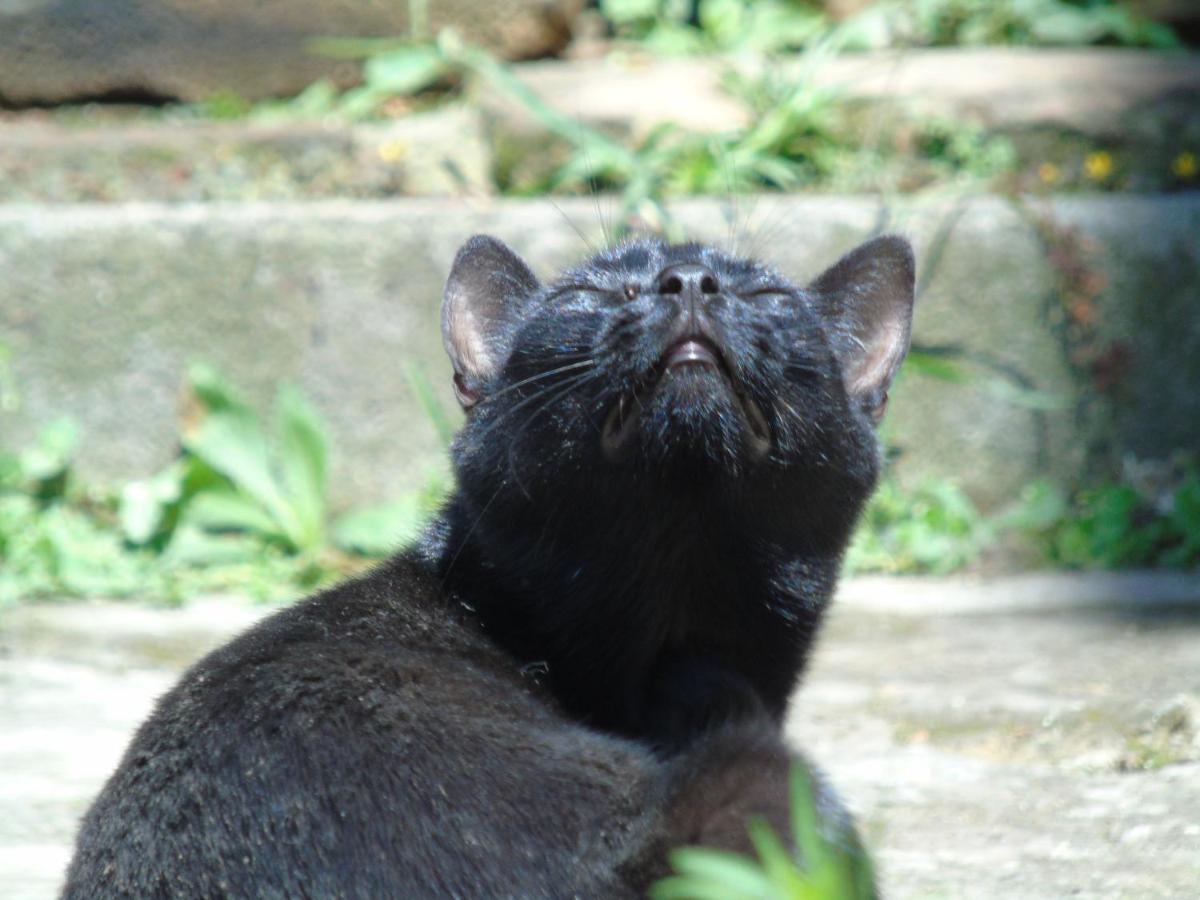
x,y
934,528
670,26
243,509
683,26
1113,525
827,870
53,537
1027,22
236,488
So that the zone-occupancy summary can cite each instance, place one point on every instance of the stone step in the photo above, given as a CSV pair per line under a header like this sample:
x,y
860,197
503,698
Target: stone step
x,y
443,152
1095,90
54,52
1146,105
1075,318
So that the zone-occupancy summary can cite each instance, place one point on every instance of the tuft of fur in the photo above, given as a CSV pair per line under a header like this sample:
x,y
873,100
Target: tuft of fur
x,y
585,661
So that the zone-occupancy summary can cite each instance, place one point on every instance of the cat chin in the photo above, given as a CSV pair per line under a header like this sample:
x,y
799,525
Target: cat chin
x,y
690,409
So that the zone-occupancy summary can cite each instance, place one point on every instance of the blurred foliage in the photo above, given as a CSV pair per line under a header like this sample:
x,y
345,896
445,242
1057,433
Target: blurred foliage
x,y
1116,525
820,868
670,26
742,26
942,23
237,488
51,540
798,134
243,508
933,529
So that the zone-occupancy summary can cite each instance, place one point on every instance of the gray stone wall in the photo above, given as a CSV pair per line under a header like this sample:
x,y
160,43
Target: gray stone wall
x,y
102,308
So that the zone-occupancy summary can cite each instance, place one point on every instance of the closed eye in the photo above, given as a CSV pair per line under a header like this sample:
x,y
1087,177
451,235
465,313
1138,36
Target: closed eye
x,y
766,292
562,290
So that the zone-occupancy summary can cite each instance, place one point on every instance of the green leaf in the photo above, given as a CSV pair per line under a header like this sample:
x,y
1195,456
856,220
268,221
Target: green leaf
x,y
723,19
10,469
804,812
622,12
777,862
434,411
677,887
405,70
317,100
51,456
381,529
354,48
734,873
672,39
227,511
1067,26
144,503
229,439
936,365
212,392
361,102
1040,506
71,554
304,452
194,547
585,138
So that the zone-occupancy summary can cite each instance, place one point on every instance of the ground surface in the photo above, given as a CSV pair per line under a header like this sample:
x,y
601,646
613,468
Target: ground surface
x,y
1027,737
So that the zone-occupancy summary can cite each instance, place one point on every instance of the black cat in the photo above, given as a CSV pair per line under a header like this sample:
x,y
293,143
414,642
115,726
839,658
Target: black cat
x,y
586,661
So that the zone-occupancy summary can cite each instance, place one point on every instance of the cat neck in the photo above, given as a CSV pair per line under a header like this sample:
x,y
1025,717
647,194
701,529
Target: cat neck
x,y
592,612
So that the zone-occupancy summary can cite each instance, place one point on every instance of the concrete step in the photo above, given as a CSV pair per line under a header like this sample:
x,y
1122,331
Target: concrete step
x,y
1089,302
1055,104
443,152
1095,90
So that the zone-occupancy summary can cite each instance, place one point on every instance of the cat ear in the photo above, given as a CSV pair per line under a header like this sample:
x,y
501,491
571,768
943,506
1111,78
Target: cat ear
x,y
487,283
868,294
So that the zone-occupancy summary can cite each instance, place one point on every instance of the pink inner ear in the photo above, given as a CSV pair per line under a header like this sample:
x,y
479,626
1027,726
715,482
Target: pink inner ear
x,y
467,397
882,354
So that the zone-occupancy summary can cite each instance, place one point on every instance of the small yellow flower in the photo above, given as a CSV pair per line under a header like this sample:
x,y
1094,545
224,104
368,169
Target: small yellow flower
x,y
1098,166
392,151
1185,166
1049,173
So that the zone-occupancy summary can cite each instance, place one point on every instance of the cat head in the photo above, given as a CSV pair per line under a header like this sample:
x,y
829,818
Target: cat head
x,y
651,361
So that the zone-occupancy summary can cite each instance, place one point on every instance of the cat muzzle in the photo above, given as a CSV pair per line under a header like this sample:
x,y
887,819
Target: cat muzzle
x,y
691,351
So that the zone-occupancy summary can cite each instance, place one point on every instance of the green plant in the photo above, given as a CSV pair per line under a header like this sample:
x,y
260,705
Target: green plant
x,y
787,144
934,528
236,486
826,870
698,26
379,529
1035,22
963,146
242,509
233,478
670,26
53,537
1113,525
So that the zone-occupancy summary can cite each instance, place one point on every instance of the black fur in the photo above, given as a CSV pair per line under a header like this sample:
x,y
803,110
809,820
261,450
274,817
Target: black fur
x,y
586,660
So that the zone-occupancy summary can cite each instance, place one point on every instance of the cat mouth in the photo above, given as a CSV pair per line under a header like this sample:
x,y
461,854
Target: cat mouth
x,y
691,352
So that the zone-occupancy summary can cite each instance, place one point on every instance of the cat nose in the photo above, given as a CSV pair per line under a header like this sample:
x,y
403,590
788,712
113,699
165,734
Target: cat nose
x,y
690,280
